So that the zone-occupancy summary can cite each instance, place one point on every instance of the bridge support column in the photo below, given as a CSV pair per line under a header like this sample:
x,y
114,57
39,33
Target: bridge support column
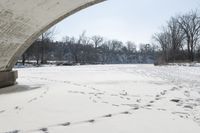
x,y
8,78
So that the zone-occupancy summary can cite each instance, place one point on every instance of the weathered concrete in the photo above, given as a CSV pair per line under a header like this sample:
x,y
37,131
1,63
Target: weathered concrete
x,y
8,78
23,21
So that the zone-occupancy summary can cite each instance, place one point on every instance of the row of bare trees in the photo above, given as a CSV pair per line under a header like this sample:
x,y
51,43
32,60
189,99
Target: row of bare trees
x,y
179,39
88,50
39,48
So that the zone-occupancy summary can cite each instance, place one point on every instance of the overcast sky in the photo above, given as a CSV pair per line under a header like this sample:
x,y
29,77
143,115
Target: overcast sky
x,y
133,20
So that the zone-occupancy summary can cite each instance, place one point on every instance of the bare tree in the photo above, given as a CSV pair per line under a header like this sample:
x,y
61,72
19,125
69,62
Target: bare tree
x,y
131,46
176,36
83,39
97,40
45,38
164,42
190,23
115,45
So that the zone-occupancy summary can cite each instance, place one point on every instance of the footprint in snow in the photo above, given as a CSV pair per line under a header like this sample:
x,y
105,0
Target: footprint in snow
x,y
105,102
148,105
116,105
14,131
174,89
163,92
82,92
157,95
109,115
125,112
123,93
187,93
34,99
135,108
44,130
17,108
122,97
65,124
91,121
179,104
151,101
94,101
160,109
45,92
128,98
114,95
2,111
139,100
175,100
157,98
68,82
181,114
188,107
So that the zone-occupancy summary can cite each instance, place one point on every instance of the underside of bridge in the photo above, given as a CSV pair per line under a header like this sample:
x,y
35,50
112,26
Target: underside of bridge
x,y
23,21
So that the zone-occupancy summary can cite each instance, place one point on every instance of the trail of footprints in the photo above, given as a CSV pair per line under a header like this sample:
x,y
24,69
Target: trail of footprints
x,y
96,96
19,108
190,106
66,124
187,104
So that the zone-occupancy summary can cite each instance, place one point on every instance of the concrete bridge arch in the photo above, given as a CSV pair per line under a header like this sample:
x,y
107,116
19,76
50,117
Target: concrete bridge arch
x,y
23,21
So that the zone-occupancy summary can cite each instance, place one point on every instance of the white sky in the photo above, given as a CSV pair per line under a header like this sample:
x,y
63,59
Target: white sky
x,y
133,20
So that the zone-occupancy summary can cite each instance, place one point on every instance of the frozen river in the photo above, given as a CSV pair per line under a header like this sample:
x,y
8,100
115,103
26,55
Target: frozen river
x,y
103,99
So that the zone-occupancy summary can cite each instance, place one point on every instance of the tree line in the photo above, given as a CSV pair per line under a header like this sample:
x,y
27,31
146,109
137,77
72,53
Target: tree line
x,y
88,50
179,38
177,41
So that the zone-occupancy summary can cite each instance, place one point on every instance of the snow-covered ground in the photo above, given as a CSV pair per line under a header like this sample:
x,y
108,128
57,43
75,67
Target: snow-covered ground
x,y
103,99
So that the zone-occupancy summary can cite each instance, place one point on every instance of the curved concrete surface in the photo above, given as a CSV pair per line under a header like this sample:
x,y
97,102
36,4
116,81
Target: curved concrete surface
x,y
23,21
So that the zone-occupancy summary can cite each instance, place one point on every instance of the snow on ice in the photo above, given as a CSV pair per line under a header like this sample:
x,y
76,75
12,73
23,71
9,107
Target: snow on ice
x,y
102,99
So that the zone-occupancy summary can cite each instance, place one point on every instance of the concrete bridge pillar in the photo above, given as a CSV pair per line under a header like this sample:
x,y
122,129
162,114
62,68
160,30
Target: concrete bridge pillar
x,y
8,78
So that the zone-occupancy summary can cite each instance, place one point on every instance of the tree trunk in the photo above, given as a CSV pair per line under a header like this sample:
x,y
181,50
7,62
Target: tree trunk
x,y
23,59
